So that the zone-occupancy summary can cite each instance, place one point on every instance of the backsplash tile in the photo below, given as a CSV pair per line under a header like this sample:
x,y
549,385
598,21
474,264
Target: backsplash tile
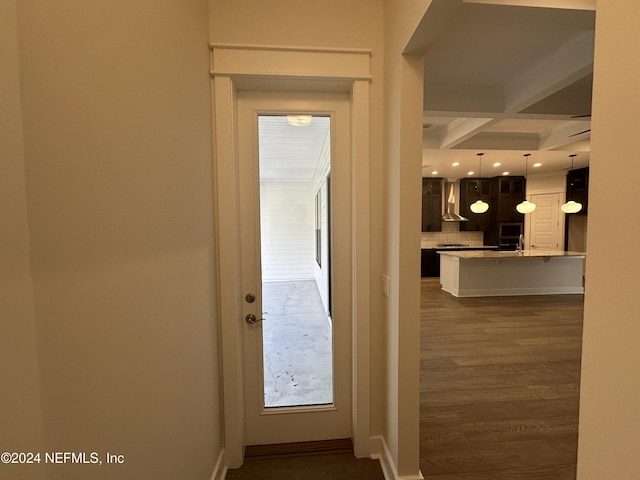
x,y
451,234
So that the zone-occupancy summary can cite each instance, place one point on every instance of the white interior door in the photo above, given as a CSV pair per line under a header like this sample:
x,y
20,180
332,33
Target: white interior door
x,y
297,359
545,226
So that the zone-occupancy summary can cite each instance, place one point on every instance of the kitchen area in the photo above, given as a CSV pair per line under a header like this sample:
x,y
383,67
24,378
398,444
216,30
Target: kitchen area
x,y
505,162
491,250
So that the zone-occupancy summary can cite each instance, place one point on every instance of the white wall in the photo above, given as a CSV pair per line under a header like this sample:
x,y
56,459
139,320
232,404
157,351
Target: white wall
x,y
546,183
287,229
20,412
117,130
322,271
610,389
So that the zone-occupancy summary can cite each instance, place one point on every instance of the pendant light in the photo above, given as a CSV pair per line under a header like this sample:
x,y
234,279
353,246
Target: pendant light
x,y
526,206
479,206
571,206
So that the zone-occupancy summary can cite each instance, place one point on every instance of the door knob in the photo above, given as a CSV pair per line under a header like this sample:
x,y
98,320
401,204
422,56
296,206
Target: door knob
x,y
251,319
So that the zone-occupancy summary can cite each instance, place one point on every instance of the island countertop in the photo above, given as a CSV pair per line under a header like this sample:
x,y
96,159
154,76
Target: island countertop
x,y
512,254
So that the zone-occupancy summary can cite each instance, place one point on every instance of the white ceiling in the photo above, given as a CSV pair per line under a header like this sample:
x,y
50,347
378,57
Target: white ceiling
x,y
291,152
506,80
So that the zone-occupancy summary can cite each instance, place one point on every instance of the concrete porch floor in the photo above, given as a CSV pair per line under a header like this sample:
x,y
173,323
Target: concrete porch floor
x,y
297,345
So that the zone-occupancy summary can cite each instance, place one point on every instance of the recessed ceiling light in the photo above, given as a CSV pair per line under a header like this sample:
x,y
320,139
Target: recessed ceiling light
x,y
536,165
455,164
497,164
470,173
435,172
505,173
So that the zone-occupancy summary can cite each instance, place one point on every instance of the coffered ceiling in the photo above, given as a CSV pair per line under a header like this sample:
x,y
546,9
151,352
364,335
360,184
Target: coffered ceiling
x,y
506,78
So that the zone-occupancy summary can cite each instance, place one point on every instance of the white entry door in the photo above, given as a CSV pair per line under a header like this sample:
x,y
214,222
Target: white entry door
x,y
297,346
545,226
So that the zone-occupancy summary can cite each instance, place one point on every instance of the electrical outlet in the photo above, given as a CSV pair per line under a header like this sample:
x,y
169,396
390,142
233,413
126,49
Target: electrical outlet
x,y
385,285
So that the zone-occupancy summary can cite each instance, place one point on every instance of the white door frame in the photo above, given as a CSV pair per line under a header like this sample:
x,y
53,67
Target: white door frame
x,y
247,67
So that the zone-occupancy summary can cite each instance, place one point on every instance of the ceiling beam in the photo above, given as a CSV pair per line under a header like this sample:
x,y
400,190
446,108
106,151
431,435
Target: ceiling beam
x,y
463,129
589,5
566,65
565,134
501,141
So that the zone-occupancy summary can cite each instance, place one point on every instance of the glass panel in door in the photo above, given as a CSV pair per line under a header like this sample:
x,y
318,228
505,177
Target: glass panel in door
x,y
297,338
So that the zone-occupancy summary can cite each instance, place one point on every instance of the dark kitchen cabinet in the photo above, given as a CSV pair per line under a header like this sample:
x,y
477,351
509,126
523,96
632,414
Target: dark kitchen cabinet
x,y
510,191
472,190
506,193
430,263
432,204
578,188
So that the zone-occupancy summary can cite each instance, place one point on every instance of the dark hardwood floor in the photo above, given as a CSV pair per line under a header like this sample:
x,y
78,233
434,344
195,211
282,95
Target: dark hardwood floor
x,y
499,395
315,466
499,386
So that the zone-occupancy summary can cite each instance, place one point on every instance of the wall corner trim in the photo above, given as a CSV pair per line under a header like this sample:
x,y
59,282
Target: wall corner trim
x,y
219,470
380,451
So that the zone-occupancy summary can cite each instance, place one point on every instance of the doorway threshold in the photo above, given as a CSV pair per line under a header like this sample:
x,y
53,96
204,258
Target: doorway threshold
x,y
320,446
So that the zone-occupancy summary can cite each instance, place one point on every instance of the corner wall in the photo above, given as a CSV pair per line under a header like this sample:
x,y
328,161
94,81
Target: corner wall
x,y
20,412
402,231
117,132
609,425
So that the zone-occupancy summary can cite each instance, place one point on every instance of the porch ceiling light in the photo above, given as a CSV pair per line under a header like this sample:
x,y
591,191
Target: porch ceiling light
x,y
299,120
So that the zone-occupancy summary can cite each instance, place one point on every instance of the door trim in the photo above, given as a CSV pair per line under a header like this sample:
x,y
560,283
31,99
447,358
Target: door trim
x,y
296,69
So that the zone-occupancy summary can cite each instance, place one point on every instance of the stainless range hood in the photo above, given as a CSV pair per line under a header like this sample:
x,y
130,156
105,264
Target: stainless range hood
x,y
450,204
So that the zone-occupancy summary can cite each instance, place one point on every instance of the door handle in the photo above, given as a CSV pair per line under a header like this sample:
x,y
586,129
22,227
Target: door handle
x,y
251,318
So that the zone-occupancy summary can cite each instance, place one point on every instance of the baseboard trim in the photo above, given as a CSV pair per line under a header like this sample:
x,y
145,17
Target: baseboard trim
x,y
219,470
383,455
320,446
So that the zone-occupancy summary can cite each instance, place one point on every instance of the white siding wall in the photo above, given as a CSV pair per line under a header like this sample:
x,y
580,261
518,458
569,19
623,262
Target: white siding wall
x,y
320,184
287,230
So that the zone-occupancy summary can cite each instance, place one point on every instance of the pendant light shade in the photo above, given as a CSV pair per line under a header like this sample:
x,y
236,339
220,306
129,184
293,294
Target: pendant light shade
x,y
479,206
571,206
526,206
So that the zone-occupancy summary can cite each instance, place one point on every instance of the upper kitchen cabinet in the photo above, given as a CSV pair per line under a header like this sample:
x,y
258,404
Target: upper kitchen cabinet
x,y
472,190
506,194
432,204
578,187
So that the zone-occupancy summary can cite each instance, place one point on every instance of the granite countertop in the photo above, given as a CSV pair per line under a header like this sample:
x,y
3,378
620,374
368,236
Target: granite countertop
x,y
467,247
511,254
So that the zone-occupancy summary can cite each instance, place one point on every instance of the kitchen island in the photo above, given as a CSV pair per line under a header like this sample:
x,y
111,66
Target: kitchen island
x,y
502,273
